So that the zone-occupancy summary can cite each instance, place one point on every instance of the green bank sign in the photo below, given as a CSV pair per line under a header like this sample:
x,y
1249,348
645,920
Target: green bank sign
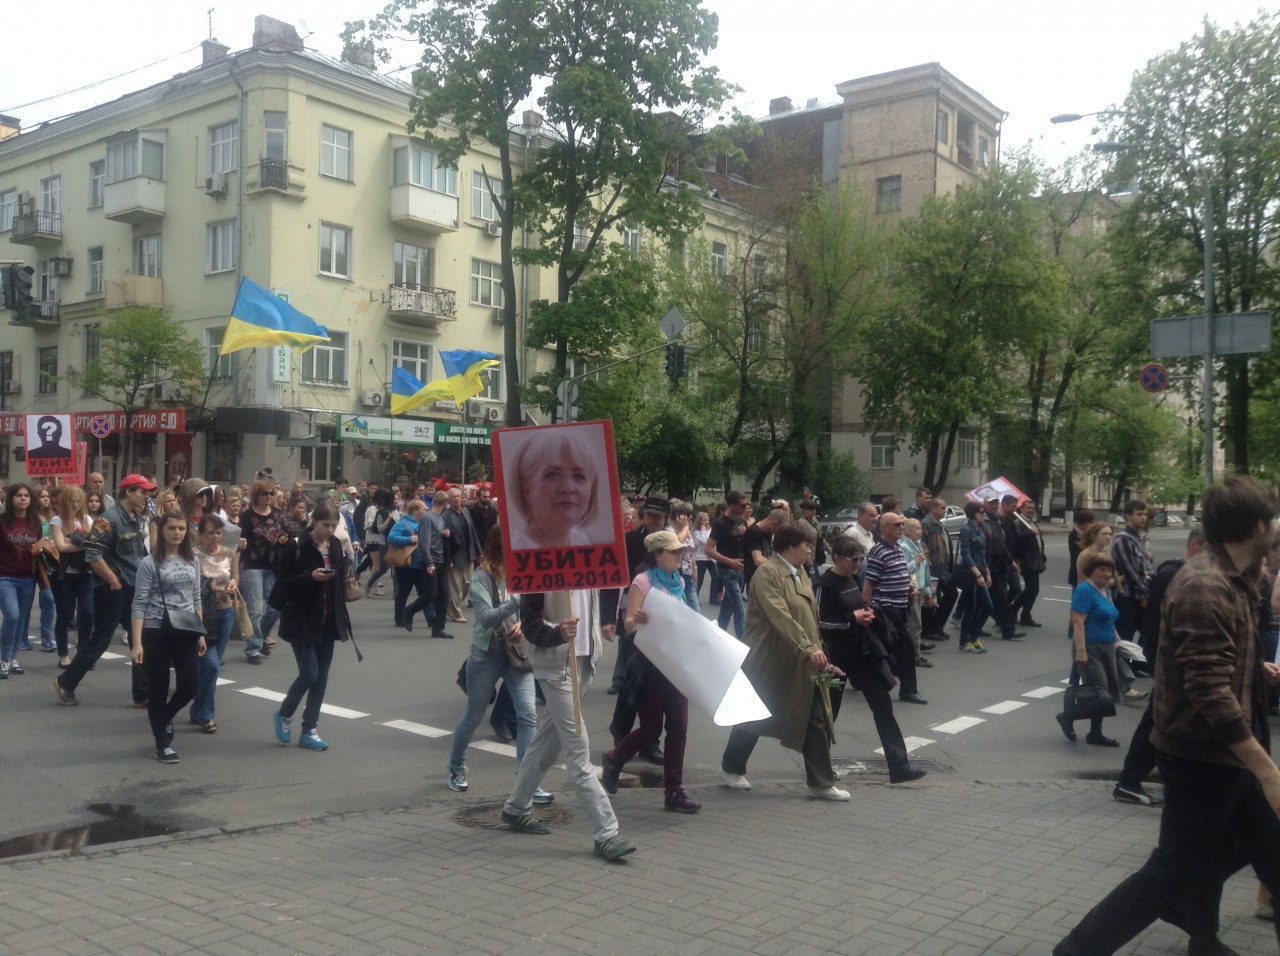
x,y
400,431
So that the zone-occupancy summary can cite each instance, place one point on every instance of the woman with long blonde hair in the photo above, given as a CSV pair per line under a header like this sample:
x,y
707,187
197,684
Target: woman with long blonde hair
x,y
73,584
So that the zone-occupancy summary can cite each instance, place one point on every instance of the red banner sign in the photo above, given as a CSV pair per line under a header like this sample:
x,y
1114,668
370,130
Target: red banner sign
x,y
558,494
157,420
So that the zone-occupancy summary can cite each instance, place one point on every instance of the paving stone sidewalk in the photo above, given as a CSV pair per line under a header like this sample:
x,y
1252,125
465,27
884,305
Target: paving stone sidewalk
x,y
946,867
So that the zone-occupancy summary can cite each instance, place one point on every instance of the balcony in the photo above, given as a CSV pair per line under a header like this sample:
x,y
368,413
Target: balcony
x,y
37,228
135,290
422,306
136,200
273,174
43,314
426,210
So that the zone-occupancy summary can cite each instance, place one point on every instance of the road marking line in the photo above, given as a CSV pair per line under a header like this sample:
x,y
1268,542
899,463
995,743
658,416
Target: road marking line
x,y
1040,693
329,709
957,725
224,680
913,744
493,747
422,730
113,656
1057,600
1005,707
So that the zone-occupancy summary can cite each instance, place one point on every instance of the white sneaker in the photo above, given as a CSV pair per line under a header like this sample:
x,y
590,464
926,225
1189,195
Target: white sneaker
x,y
735,781
829,793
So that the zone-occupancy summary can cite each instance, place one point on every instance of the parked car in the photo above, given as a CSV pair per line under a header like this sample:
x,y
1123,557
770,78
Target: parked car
x,y
953,520
838,522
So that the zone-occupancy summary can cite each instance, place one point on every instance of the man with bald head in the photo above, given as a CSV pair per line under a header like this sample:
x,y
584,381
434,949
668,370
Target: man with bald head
x,y
94,485
887,586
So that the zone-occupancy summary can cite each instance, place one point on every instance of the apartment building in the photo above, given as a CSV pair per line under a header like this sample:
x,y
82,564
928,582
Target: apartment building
x,y
291,168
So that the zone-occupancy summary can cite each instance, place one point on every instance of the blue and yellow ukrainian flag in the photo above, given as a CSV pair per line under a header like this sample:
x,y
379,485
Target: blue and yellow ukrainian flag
x,y
463,368
260,317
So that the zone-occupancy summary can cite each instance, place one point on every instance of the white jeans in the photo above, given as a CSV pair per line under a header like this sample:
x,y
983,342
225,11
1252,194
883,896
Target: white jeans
x,y
557,733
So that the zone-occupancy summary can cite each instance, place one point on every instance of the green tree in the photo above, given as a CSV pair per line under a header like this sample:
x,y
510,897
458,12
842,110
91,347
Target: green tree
x,y
140,347
974,282
1206,114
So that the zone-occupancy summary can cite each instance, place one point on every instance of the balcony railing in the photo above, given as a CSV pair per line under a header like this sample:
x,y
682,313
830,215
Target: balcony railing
x,y
45,312
273,174
423,304
38,226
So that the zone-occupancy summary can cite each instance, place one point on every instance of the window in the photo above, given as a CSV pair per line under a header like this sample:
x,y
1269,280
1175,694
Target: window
x,y
51,195
968,452
413,357
483,191
492,384
148,256
486,283
218,366
322,462
92,342
414,265
224,148
8,208
580,237
49,280
944,127
419,166
275,136
6,376
135,156
220,247
757,333
335,248
760,271
326,363
335,152
882,448
47,364
631,239
719,258
984,152
97,179
889,194
95,271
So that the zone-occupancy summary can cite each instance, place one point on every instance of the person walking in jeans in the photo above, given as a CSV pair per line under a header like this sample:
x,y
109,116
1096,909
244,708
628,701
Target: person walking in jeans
x,y
220,568
567,637
113,550
19,532
261,536
724,547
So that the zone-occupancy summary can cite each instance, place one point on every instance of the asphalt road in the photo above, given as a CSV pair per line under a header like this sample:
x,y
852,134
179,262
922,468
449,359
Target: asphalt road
x,y
393,714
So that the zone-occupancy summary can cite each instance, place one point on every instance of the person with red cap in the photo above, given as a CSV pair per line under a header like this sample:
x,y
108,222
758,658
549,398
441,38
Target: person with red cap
x,y
113,548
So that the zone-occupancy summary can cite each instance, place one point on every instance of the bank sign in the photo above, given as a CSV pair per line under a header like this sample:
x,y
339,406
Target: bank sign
x,y
400,431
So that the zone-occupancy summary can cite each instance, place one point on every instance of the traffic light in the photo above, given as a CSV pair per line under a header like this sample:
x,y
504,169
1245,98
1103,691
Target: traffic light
x,y
18,294
675,362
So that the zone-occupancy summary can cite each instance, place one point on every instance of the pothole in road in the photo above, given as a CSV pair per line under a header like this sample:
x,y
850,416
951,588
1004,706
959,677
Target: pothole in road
x,y
488,816
119,822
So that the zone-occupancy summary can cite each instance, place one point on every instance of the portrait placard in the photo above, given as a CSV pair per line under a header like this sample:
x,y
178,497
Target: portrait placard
x,y
557,493
50,442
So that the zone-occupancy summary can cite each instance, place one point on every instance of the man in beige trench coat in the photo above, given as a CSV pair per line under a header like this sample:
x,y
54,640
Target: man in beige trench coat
x,y
785,652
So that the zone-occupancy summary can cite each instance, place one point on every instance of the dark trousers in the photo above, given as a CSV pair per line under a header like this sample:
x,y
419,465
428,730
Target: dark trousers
x,y
1001,613
660,703
440,602
816,748
406,579
710,567
1216,818
626,643
158,655
934,619
1141,758
864,675
73,601
1131,612
313,662
110,609
1027,599
901,651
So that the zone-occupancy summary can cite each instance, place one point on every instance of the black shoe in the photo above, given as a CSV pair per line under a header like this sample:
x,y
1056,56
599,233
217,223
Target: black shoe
x,y
1015,636
923,662
1127,794
612,690
502,733
67,698
167,755
926,646
443,635
266,651
253,659
938,636
678,801
1027,622
912,699
905,776
1099,740
1068,730
651,755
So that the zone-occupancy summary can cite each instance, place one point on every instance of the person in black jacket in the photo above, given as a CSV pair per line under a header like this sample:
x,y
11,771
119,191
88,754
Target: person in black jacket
x,y
311,597
854,642
1029,553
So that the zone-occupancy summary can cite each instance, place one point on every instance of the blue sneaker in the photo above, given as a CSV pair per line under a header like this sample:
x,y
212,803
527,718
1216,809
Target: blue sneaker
x,y
311,740
283,733
458,778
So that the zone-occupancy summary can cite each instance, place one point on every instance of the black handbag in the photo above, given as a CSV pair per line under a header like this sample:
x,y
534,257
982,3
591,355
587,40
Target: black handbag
x,y
179,625
1087,702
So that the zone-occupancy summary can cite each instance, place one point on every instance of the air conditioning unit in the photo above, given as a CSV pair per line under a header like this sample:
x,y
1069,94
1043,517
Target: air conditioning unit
x,y
61,267
10,388
372,399
216,185
493,230
496,316
474,409
168,392
493,413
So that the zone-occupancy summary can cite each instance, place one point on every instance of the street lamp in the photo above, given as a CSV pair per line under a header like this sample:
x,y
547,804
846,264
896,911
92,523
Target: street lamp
x,y
1109,146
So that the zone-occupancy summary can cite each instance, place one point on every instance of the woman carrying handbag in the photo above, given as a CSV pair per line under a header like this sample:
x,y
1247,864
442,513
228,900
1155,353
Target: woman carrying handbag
x,y
1093,642
168,627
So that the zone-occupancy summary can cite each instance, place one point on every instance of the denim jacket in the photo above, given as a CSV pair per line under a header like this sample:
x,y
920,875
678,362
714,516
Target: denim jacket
x,y
973,547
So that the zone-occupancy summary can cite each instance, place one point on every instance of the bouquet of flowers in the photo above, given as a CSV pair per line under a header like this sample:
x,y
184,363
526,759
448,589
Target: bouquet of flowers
x,y
830,677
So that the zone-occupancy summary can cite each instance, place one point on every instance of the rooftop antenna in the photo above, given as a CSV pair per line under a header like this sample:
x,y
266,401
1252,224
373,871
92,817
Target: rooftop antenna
x,y
304,31
210,15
